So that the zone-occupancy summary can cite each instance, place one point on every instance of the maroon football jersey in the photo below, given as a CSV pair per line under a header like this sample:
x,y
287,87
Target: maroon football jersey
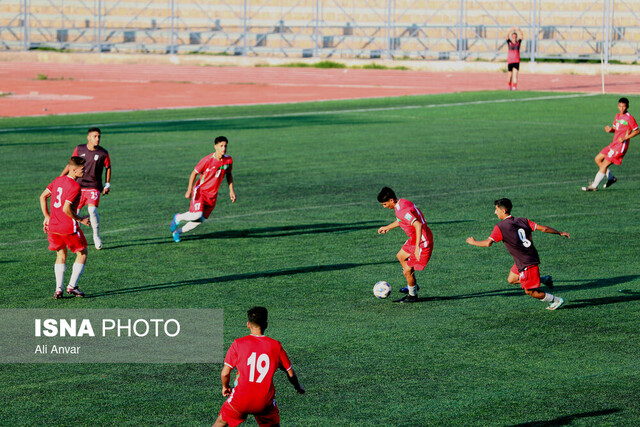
x,y
95,162
516,236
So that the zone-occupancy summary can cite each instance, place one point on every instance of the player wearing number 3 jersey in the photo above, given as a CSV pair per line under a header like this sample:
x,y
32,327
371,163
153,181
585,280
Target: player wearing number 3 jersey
x,y
515,233
256,358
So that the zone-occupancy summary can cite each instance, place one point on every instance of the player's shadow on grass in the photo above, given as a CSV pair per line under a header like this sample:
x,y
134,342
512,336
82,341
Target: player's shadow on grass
x,y
598,283
568,419
623,296
235,277
484,294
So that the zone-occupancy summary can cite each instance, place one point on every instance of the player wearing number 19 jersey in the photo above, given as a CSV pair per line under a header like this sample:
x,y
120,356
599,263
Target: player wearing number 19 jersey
x,y
516,233
256,358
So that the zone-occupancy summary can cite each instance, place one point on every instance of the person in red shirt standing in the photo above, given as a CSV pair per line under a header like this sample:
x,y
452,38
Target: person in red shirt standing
x,y
624,128
212,170
61,225
97,160
256,357
514,39
515,233
416,251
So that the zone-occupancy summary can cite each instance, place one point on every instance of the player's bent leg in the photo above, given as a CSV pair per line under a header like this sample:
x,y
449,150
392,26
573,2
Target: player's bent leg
x,y
535,293
220,422
513,278
95,225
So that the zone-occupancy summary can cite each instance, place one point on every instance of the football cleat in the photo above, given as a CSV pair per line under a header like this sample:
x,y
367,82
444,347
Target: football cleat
x,y
405,290
174,223
176,236
589,188
555,305
547,281
57,295
610,182
407,298
97,242
75,292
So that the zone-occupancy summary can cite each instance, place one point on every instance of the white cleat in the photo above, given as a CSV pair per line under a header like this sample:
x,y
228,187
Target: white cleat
x,y
97,242
555,305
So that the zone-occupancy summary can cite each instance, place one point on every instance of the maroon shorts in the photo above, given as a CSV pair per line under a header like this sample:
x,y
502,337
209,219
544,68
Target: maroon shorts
x,y
75,242
268,417
201,202
425,254
89,196
529,277
614,152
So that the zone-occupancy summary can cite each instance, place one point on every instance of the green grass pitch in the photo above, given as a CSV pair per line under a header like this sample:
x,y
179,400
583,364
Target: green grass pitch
x,y
301,240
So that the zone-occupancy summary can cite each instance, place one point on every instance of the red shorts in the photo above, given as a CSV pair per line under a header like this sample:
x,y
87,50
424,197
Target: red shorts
x,y
202,202
89,196
614,152
529,277
268,417
75,242
425,254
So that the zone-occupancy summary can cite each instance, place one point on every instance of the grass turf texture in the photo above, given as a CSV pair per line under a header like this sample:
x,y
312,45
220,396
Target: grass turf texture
x,y
302,241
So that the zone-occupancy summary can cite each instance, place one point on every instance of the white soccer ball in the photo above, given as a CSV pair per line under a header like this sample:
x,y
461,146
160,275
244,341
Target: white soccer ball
x,y
381,289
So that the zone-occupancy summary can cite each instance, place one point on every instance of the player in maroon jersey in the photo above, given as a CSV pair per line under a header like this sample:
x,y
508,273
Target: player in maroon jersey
x,y
212,170
515,233
416,251
61,225
514,39
624,128
256,357
97,160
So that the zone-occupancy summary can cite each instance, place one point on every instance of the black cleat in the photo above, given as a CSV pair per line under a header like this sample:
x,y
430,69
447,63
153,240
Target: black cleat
x,y
547,281
407,298
610,182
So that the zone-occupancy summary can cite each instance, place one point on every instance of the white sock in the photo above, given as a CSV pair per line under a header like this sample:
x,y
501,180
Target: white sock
x,y
59,272
189,226
609,174
189,216
548,298
75,274
412,290
95,220
599,177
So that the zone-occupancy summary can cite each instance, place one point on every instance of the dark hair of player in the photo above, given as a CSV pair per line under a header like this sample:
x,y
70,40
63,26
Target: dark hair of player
x,y
94,130
258,316
504,204
76,161
220,139
386,194
625,101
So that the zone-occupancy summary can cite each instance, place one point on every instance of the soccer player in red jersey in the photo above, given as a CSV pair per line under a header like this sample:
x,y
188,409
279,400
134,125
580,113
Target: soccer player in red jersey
x,y
624,128
416,251
514,39
61,225
97,160
212,170
256,357
515,233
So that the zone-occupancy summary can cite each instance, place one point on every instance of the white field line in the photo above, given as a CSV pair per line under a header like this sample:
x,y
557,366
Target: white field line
x,y
307,113
340,205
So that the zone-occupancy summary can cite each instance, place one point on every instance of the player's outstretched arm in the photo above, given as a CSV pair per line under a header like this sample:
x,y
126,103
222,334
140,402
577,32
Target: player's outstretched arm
x,y
482,243
293,379
386,228
225,376
550,230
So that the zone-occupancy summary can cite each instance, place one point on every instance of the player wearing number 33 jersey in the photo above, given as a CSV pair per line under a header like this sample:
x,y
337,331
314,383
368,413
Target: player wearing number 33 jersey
x,y
516,235
256,358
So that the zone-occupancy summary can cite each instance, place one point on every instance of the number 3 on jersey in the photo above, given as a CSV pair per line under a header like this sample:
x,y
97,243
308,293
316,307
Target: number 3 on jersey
x,y
261,364
58,202
523,238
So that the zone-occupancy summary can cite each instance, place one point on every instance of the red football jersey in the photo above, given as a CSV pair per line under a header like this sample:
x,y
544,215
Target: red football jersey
x,y
406,214
623,123
212,172
63,190
256,358
513,55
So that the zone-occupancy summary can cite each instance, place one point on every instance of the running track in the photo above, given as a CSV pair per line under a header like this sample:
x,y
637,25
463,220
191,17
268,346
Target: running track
x,y
81,88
